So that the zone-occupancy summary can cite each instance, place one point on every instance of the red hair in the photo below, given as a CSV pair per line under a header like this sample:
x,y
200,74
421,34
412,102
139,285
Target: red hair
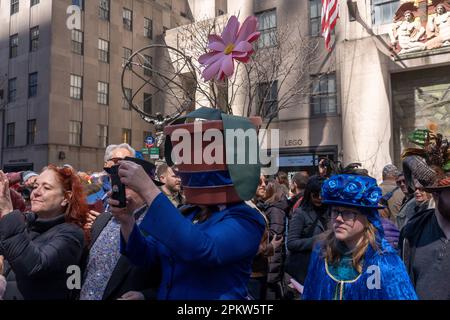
x,y
77,210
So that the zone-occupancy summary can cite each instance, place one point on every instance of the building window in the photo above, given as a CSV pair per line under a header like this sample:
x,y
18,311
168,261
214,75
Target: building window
x,y
75,133
128,94
10,134
315,17
103,10
126,55
323,97
268,98
383,11
14,6
13,45
267,26
148,62
102,132
147,103
31,131
34,2
32,84
148,28
103,50
76,87
126,136
12,90
102,92
79,3
77,41
127,19
34,39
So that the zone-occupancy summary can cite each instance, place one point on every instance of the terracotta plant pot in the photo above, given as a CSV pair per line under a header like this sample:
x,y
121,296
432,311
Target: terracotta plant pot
x,y
212,194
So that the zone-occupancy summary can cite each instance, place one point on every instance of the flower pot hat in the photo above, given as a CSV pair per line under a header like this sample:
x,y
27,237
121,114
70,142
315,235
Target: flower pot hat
x,y
429,164
211,171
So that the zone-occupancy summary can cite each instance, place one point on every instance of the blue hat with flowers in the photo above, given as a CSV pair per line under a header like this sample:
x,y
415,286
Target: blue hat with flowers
x,y
352,190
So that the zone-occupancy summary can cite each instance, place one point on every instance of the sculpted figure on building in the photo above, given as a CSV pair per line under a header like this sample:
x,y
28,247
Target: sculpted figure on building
x,y
438,28
407,34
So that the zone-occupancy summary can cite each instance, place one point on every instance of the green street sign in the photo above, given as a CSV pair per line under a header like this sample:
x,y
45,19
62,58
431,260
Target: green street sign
x,y
154,153
145,151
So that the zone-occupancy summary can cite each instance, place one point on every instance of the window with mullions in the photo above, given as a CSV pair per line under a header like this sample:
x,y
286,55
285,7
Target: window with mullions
x,y
148,62
32,84
268,98
75,133
148,28
128,95
315,13
267,26
323,97
102,92
76,87
79,3
102,133
127,19
103,9
12,90
34,39
31,131
148,103
126,136
383,11
13,45
14,6
10,134
34,2
77,41
103,50
126,55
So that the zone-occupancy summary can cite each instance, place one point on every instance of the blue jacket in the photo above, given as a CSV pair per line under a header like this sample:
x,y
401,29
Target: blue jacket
x,y
209,260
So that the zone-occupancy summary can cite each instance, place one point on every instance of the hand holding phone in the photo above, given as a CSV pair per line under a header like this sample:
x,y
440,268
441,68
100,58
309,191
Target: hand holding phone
x,y
117,187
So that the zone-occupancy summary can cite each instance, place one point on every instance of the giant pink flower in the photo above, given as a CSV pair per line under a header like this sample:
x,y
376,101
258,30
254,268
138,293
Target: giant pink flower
x,y
234,43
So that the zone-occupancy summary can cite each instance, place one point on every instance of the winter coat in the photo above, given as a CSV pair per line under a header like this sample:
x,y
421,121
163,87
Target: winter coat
x,y
37,254
391,232
276,213
305,226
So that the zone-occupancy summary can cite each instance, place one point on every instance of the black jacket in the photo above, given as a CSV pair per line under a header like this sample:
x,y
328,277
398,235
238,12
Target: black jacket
x,y
276,214
410,236
38,253
125,276
304,227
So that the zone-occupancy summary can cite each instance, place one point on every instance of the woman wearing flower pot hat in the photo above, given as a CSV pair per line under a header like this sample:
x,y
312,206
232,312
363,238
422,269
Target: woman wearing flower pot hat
x,y
205,251
354,261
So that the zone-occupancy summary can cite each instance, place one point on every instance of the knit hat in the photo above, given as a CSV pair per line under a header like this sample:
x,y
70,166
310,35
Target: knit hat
x,y
27,175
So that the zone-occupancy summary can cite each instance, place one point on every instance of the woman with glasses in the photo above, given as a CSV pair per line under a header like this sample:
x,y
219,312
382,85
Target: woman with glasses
x,y
40,246
354,261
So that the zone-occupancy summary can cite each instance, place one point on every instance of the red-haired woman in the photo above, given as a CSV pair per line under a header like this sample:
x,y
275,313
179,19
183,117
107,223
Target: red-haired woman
x,y
40,246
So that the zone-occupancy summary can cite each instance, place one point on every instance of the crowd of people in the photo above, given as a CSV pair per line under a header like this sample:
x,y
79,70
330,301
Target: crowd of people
x,y
332,234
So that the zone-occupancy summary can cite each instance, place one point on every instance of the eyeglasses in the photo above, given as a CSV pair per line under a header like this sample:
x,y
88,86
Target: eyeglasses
x,y
400,182
346,215
115,160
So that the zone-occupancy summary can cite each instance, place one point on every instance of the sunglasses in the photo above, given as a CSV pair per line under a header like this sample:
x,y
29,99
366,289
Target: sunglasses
x,y
346,215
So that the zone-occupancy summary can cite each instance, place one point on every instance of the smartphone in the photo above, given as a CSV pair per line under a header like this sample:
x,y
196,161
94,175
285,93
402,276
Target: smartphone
x,y
117,187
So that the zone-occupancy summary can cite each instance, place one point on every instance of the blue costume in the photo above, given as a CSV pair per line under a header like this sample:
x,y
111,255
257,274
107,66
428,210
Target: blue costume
x,y
208,260
383,275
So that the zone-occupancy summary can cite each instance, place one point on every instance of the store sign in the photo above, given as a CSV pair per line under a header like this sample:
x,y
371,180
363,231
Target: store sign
x,y
293,142
296,161
154,153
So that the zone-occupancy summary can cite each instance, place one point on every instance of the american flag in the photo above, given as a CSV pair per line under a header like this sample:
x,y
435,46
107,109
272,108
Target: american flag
x,y
330,14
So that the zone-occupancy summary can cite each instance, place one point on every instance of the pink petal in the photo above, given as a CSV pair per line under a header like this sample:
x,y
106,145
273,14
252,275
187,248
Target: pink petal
x,y
211,70
227,66
216,46
253,37
244,59
230,31
247,28
238,54
204,58
243,46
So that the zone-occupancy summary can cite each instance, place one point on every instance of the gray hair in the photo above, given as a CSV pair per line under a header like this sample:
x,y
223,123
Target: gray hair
x,y
109,150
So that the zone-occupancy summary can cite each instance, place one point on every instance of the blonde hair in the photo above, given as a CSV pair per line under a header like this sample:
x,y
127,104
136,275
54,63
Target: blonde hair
x,y
332,254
